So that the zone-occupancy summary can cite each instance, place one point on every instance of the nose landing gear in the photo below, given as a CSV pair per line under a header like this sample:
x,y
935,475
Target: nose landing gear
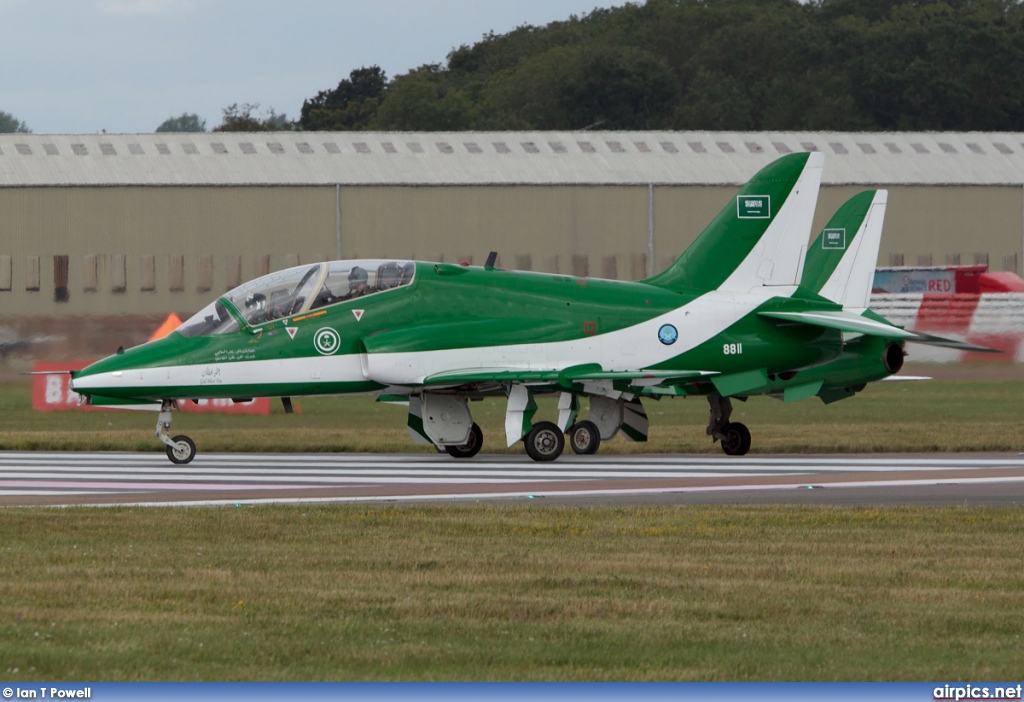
x,y
181,449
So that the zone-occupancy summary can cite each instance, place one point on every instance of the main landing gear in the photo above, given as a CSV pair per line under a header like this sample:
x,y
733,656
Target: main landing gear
x,y
446,422
442,419
584,438
545,442
181,449
734,436
471,447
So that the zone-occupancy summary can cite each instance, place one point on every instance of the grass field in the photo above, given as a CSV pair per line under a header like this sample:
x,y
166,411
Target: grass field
x,y
482,592
908,416
511,593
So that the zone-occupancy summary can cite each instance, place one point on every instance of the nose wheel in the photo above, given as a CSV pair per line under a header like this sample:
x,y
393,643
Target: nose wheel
x,y
180,449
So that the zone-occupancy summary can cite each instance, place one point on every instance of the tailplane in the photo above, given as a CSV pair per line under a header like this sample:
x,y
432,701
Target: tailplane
x,y
759,238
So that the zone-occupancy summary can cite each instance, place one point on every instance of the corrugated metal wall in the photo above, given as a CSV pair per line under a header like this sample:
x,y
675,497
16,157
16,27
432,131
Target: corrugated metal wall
x,y
183,244
550,224
149,250
940,225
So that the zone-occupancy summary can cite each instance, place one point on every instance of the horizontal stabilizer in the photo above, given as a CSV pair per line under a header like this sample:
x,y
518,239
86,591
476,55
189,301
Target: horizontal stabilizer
x,y
843,321
930,340
856,324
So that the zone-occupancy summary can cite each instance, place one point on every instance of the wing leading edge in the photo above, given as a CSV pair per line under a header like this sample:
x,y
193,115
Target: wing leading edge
x,y
564,376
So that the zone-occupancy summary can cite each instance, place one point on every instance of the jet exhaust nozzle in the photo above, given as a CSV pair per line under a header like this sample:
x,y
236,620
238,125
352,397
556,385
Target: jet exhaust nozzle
x,y
892,357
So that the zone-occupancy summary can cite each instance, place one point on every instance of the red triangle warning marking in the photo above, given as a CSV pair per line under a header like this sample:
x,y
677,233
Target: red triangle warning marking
x,y
358,314
291,331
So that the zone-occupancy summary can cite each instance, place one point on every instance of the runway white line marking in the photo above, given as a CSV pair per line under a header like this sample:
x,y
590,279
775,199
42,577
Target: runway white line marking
x,y
82,474
55,493
327,478
560,493
368,460
416,464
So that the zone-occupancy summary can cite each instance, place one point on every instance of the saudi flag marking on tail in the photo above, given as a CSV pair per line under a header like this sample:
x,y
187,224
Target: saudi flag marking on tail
x,y
834,239
753,206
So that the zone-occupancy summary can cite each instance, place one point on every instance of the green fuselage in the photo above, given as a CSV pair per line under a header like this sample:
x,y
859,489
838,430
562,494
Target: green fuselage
x,y
450,315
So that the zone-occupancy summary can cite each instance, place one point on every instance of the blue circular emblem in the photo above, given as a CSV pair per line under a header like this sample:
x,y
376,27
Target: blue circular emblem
x,y
667,334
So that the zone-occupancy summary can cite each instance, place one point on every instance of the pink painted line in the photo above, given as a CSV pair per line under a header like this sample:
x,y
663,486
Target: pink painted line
x,y
153,486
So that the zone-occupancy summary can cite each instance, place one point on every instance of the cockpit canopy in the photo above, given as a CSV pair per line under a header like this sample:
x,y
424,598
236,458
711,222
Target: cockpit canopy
x,y
296,290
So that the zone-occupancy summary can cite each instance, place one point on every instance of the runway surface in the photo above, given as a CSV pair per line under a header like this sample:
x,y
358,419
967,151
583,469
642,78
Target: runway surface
x,y
72,478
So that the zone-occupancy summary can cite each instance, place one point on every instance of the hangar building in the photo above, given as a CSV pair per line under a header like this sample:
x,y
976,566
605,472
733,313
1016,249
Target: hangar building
x,y
146,224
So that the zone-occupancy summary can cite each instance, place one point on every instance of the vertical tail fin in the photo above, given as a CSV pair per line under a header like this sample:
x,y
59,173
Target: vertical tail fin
x,y
759,238
841,262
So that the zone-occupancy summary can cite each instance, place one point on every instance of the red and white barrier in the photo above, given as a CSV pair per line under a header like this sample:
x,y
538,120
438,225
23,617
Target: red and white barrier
x,y
993,320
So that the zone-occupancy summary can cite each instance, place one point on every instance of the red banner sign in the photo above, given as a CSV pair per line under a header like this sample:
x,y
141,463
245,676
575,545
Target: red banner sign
x,y
52,392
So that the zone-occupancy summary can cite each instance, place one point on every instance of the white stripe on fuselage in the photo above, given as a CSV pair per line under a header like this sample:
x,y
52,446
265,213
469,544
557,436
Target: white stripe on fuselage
x,y
632,348
312,370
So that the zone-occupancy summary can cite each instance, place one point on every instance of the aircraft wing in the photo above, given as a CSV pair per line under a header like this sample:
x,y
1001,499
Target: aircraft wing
x,y
469,376
853,323
565,376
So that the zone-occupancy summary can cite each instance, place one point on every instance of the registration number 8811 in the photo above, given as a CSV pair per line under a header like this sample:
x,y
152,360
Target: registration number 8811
x,y
732,349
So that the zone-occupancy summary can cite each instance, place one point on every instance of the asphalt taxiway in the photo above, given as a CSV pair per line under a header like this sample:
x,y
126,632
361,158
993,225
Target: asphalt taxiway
x,y
76,478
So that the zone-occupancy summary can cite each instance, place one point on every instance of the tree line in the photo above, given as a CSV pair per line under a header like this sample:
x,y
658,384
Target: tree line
x,y
850,65
718,65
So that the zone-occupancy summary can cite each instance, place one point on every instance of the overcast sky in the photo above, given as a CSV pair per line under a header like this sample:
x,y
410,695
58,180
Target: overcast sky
x,y
83,66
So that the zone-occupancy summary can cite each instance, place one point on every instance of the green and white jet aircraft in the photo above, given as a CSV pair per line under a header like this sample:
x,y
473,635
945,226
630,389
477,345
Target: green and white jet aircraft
x,y
738,314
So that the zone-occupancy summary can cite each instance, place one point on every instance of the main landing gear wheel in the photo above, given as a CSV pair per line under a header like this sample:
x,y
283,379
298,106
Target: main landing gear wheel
x,y
183,451
472,445
584,437
545,442
736,441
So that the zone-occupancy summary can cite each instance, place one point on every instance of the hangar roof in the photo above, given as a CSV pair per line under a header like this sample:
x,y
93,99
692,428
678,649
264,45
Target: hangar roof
x,y
501,158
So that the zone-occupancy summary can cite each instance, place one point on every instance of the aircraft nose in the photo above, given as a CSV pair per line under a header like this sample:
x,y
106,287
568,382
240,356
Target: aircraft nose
x,y
76,384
